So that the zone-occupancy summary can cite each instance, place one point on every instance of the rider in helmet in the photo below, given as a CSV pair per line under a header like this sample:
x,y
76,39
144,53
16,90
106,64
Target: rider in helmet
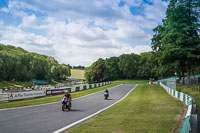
x,y
106,91
68,96
106,94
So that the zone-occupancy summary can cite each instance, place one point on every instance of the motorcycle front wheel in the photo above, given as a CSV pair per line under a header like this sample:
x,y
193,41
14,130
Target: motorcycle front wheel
x,y
63,107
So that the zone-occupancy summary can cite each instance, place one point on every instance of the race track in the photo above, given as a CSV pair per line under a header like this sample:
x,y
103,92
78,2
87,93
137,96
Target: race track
x,y
49,118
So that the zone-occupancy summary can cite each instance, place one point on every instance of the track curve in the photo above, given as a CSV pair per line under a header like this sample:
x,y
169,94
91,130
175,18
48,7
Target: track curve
x,y
49,118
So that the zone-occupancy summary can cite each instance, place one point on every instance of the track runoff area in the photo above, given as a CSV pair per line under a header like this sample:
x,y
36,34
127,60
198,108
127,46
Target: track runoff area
x,y
50,117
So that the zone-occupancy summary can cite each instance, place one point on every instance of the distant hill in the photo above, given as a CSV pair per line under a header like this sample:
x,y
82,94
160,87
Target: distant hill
x,y
78,74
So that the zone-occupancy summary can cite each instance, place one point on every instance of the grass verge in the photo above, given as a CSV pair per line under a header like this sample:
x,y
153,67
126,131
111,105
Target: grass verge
x,y
57,98
146,109
131,81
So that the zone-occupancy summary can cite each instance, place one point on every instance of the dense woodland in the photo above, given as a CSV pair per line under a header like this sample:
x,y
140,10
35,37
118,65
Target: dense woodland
x,y
175,44
21,65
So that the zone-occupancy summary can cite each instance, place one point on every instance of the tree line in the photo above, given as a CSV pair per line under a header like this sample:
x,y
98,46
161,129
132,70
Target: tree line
x,y
126,66
79,67
175,44
21,65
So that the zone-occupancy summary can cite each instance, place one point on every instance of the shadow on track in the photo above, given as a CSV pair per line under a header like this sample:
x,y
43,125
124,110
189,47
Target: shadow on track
x,y
109,99
74,110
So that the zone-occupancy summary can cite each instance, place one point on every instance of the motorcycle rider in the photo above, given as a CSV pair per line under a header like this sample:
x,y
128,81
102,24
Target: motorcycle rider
x,y
67,95
106,93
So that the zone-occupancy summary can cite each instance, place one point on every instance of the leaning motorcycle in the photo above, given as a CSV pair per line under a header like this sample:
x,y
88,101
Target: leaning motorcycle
x,y
106,95
66,104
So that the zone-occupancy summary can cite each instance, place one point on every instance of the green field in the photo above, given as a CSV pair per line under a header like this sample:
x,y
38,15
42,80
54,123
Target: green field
x,y
146,109
77,74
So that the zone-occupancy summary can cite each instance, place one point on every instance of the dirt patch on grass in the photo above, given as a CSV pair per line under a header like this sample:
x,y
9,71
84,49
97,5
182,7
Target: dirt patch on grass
x,y
180,120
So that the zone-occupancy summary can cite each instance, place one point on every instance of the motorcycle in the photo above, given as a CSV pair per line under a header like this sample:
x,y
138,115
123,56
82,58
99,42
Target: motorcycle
x,y
106,95
66,104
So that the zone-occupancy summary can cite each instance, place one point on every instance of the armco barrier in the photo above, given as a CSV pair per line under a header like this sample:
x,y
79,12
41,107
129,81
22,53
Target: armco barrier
x,y
32,94
190,123
79,88
4,97
84,87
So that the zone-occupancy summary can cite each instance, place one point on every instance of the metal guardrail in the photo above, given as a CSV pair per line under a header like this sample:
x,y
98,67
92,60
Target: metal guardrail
x,y
31,94
3,97
190,124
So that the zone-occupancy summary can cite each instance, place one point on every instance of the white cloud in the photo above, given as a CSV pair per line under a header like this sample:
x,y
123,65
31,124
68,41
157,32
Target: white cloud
x,y
156,11
141,48
4,9
28,21
78,33
29,41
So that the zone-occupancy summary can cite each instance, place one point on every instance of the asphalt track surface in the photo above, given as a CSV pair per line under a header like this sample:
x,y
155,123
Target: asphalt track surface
x,y
49,118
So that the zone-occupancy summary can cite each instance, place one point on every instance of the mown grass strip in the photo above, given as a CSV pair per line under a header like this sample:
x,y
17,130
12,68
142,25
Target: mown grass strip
x,y
131,81
148,108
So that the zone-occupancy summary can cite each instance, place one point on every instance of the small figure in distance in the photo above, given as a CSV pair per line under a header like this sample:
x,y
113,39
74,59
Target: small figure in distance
x,y
106,94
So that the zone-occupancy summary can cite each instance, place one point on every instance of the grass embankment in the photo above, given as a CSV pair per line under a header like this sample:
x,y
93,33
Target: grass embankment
x,y
77,74
8,84
16,84
195,94
148,108
57,98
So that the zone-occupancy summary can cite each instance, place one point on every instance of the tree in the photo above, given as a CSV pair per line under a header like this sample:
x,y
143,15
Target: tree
x,y
112,71
147,65
177,40
128,65
95,73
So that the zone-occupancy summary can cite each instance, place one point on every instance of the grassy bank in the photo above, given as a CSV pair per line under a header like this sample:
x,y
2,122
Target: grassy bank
x,y
146,109
16,84
8,84
57,98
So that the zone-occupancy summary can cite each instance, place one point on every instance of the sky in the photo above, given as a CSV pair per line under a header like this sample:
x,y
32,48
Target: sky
x,y
79,32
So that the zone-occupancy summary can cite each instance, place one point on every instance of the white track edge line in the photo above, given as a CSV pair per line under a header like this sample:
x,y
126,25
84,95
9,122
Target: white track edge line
x,y
53,102
90,116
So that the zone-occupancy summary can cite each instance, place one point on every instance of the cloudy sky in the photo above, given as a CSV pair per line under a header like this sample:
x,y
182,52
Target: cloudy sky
x,y
78,32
